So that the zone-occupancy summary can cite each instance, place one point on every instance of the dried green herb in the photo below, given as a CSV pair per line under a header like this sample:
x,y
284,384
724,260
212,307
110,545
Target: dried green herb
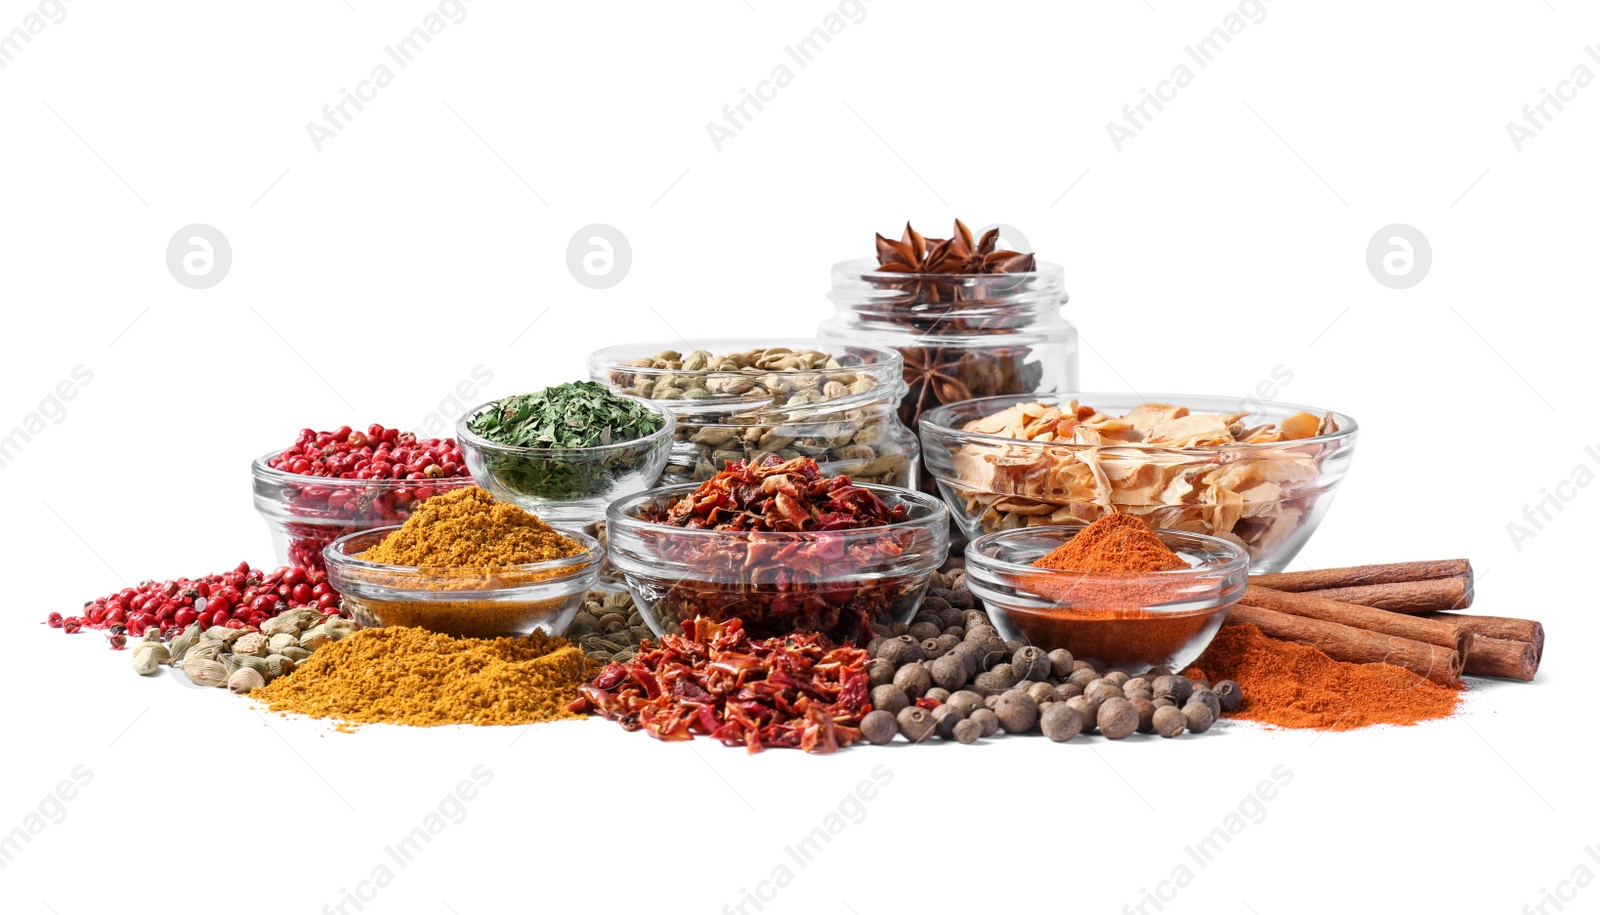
x,y
580,414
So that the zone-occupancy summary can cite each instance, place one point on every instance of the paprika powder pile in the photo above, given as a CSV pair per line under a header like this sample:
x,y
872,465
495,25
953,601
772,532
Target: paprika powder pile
x,y
1290,685
1105,621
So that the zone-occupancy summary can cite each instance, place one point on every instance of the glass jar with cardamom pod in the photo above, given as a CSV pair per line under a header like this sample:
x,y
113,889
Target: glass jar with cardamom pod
x,y
745,400
961,335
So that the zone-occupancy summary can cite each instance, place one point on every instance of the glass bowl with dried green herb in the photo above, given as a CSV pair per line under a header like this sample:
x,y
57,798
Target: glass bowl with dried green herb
x,y
782,547
568,451
747,400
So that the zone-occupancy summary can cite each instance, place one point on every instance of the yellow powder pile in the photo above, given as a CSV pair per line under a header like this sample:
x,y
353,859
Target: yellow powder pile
x,y
467,528
398,675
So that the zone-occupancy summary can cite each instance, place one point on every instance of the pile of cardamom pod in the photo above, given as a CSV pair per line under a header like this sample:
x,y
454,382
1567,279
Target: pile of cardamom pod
x,y
241,659
786,378
608,627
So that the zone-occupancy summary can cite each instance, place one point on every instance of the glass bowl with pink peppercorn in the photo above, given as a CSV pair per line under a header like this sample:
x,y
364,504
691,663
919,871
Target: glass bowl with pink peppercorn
x,y
329,484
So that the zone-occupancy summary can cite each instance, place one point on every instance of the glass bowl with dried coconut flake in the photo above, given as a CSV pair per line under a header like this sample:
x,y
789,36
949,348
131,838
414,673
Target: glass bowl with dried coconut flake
x,y
478,603
1259,475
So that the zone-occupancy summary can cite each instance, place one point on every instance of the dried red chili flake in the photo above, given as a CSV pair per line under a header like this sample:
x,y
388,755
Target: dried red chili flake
x,y
821,571
715,681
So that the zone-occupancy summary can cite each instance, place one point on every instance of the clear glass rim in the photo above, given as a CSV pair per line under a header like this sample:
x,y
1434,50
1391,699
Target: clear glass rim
x,y
614,358
939,420
1237,557
935,515
261,471
866,268
334,555
465,435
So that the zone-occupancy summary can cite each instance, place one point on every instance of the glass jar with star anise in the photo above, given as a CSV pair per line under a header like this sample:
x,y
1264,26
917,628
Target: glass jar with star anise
x,y
969,318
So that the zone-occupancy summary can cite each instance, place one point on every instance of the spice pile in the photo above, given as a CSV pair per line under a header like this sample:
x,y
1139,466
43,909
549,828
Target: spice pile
x,y
609,627
1297,686
798,691
240,659
778,584
470,529
1134,463
401,675
388,473
242,598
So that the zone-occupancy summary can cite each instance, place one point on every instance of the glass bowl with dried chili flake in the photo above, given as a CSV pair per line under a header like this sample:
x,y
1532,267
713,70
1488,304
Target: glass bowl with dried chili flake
x,y
1129,620
571,485
1260,475
781,547
746,400
329,484
482,603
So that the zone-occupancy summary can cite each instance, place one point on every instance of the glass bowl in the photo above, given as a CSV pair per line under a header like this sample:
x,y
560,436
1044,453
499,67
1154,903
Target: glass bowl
x,y
845,417
470,603
840,583
1128,620
1267,498
306,513
567,486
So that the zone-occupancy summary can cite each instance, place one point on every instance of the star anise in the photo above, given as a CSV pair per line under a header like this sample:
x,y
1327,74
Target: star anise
x,y
926,259
932,378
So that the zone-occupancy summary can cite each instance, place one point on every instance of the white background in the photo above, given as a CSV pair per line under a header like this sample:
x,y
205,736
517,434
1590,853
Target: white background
x,y
1226,239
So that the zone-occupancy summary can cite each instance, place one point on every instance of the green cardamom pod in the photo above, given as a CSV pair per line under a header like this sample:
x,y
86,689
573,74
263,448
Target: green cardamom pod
x,y
294,653
148,657
202,672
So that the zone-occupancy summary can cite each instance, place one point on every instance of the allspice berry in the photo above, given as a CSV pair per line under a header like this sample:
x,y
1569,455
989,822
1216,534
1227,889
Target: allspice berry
x,y
1116,677
1117,718
901,650
916,724
1083,676
966,701
932,649
1060,663
1174,687
967,731
1198,716
1044,692
878,727
938,695
914,679
879,672
945,719
1168,721
1002,677
1060,722
988,719
1031,663
1102,690
890,698
1228,694
1135,685
981,634
949,671
1067,690
1146,710
1209,699
924,631
1086,710
1017,711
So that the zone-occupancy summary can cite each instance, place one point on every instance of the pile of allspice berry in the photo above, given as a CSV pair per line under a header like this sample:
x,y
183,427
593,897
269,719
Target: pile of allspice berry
x,y
949,674
241,659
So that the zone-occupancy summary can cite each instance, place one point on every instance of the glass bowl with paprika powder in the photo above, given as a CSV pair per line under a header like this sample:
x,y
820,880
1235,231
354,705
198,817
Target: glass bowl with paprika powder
x,y
782,547
329,484
1261,475
473,602
1098,611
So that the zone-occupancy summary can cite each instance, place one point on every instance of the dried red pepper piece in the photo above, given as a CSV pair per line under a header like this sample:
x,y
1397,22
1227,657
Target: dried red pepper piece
x,y
715,681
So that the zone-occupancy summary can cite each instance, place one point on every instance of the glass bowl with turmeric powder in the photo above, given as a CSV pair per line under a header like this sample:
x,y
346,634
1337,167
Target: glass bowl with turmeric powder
x,y
1132,620
1258,474
474,602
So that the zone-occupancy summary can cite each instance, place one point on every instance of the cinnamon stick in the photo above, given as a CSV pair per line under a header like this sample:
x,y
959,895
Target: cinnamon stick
x,y
1454,593
1354,576
1502,658
1435,632
1500,627
1357,646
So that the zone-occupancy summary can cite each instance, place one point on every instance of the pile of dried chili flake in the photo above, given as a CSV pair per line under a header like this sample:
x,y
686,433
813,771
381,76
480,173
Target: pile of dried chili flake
x,y
822,571
798,691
